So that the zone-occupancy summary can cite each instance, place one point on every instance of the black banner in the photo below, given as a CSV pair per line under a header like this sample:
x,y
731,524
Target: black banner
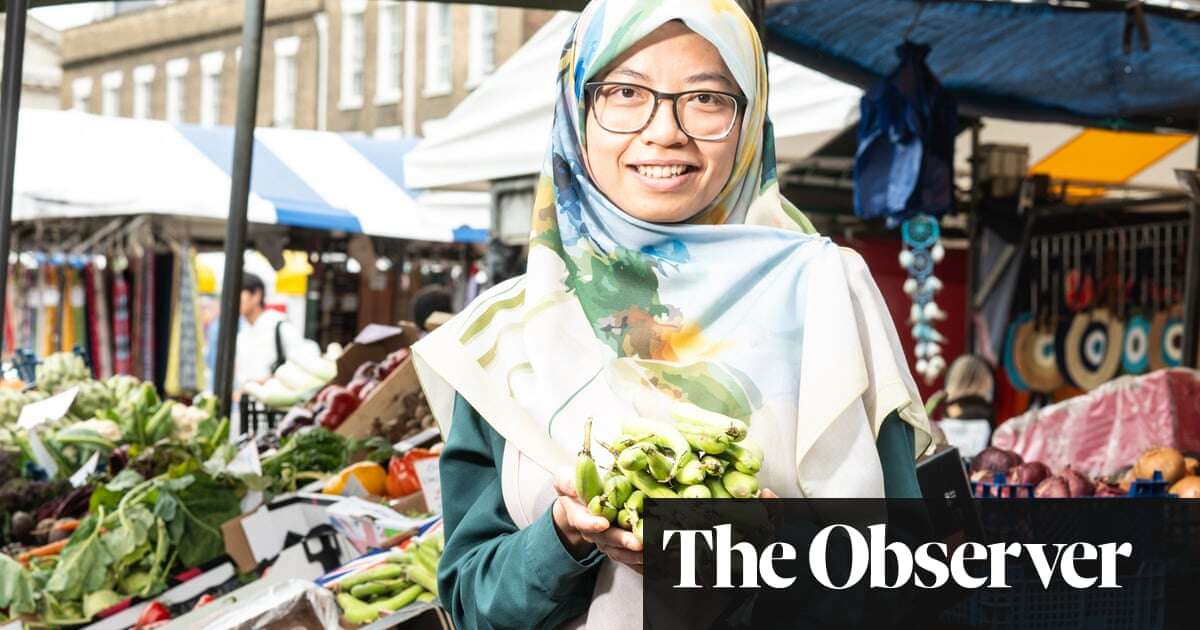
x,y
1110,563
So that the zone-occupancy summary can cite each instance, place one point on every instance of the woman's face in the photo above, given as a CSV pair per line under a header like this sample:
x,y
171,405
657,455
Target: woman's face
x,y
661,175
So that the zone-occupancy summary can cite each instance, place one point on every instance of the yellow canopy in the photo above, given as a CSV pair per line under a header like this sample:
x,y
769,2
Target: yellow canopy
x,y
1107,157
293,278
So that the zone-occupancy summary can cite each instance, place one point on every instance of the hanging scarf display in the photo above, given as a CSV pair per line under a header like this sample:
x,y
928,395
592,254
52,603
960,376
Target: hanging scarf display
x,y
146,337
68,334
102,335
122,342
48,319
185,368
137,272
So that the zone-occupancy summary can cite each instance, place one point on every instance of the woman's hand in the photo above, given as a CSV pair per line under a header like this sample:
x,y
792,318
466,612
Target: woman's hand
x,y
580,530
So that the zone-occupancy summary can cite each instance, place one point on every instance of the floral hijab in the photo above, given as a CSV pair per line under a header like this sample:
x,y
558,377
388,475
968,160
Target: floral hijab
x,y
617,316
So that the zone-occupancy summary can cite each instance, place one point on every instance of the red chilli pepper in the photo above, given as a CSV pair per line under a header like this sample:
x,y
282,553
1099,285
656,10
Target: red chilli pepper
x,y
152,614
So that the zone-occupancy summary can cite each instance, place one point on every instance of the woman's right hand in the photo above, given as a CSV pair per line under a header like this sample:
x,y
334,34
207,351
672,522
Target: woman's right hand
x,y
580,530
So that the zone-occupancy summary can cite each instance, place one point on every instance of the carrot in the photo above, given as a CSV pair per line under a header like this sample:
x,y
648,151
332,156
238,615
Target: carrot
x,y
52,549
65,525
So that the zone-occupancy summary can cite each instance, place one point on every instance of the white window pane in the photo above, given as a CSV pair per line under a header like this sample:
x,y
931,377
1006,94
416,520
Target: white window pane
x,y
438,49
352,59
285,91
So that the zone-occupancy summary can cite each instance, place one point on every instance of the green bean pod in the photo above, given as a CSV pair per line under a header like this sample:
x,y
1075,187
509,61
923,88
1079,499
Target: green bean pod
x,y
399,600
692,418
717,488
698,491
617,489
636,501
587,477
740,485
746,457
691,472
713,466
644,481
661,466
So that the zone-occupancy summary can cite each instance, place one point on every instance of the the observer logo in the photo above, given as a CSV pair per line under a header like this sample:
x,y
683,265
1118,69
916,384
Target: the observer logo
x,y
869,556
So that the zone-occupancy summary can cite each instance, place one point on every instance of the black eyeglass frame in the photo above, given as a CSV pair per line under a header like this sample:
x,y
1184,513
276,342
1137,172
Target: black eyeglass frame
x,y
589,90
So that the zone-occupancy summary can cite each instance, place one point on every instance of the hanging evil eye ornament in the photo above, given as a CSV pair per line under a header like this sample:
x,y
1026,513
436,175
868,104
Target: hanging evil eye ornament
x,y
922,251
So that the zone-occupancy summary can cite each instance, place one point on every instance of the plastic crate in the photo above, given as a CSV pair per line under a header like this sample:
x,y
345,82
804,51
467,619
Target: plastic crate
x,y
999,488
256,417
1028,606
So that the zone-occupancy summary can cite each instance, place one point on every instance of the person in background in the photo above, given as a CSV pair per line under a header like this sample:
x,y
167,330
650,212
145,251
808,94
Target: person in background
x,y
429,300
265,337
967,414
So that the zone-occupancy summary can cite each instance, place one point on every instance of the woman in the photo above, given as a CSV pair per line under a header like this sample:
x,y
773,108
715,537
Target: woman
x,y
663,265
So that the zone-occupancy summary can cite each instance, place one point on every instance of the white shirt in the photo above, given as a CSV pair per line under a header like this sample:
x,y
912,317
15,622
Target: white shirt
x,y
256,346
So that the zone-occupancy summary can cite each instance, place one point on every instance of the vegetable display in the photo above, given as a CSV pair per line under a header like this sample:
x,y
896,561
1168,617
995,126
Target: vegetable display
x,y
1178,475
702,455
407,576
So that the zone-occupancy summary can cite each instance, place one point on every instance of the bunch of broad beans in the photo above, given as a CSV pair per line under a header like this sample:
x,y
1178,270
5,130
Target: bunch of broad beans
x,y
407,576
701,455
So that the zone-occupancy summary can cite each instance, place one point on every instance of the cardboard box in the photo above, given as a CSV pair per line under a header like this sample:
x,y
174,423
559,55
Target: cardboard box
x,y
384,403
262,534
373,343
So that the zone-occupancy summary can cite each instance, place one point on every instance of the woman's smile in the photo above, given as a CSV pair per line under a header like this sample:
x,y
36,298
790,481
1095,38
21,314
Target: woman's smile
x,y
664,176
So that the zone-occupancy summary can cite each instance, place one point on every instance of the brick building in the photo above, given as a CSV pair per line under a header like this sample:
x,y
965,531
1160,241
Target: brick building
x,y
378,66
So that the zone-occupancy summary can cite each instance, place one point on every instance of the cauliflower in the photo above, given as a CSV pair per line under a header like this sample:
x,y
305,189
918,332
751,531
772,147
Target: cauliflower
x,y
57,371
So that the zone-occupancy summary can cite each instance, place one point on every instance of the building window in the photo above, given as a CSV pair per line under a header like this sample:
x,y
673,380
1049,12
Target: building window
x,y
389,53
211,65
482,59
110,104
352,53
177,70
439,65
285,81
143,85
81,94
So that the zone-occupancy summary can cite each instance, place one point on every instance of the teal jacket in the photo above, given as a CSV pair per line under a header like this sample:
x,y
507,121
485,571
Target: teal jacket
x,y
494,575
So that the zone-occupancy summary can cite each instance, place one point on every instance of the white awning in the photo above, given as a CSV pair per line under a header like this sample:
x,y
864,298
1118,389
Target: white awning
x,y
502,129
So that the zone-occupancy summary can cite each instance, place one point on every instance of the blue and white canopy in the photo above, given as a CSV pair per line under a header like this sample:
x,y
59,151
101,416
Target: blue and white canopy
x,y
71,164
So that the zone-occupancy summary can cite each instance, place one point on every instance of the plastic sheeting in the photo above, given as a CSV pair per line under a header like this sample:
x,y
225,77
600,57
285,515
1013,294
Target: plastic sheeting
x,y
1106,429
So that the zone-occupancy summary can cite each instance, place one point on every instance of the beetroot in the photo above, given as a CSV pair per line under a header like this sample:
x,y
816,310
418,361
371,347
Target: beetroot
x,y
1052,488
995,460
1078,483
1031,473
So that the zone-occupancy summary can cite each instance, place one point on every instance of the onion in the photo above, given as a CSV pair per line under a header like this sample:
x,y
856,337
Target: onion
x,y
1078,483
1052,488
1105,489
1187,488
1191,465
1165,459
995,460
1031,473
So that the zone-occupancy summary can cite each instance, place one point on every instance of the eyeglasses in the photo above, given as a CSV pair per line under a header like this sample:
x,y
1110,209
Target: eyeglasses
x,y
628,108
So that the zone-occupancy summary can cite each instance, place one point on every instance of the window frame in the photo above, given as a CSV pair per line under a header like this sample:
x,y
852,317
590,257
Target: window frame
x,y
177,71
143,84
352,58
439,37
479,47
389,52
286,87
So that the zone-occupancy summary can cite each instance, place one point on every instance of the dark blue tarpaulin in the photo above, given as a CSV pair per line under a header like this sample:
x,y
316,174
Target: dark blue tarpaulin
x,y
1082,64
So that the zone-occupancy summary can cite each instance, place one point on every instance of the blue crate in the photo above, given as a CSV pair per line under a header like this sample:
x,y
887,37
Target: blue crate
x,y
1027,606
999,488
